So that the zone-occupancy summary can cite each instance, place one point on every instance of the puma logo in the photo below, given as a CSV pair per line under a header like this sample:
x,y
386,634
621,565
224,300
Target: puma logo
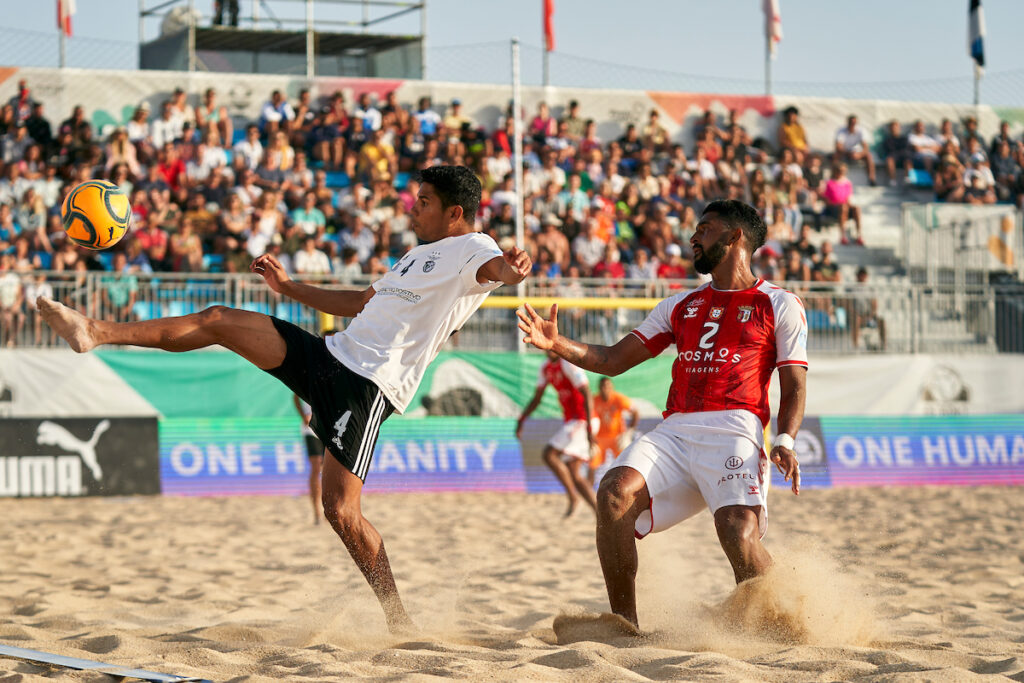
x,y
52,434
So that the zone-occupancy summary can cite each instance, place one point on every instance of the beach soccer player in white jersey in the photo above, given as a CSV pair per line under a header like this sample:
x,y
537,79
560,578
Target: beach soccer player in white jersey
x,y
356,378
730,336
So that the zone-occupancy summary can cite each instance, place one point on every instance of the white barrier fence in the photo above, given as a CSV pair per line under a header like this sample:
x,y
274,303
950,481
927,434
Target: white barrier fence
x,y
843,318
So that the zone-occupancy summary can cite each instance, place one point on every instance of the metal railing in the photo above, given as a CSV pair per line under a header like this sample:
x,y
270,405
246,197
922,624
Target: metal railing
x,y
842,318
960,244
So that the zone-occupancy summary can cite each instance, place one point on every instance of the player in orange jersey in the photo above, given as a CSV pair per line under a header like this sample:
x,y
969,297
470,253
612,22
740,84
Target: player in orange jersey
x,y
613,434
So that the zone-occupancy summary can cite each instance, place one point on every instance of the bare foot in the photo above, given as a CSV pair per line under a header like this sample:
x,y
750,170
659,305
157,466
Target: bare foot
x,y
69,324
571,510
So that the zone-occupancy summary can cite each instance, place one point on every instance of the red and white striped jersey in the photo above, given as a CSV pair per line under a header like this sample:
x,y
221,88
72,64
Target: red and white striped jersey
x,y
728,343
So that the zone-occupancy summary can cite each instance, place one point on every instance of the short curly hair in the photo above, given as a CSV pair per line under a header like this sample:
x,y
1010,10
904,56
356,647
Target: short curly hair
x,y
741,215
455,185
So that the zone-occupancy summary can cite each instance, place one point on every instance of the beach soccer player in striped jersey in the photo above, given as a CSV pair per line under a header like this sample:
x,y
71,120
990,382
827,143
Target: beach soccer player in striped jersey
x,y
355,378
730,336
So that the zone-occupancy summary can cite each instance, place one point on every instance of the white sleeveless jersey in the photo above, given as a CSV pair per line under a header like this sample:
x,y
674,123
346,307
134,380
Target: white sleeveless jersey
x,y
428,295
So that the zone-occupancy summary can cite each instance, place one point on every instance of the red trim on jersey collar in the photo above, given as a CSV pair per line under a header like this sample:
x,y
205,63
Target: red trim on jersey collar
x,y
753,286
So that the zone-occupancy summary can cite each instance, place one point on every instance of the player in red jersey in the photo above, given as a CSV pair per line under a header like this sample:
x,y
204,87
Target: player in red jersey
x,y
730,335
571,446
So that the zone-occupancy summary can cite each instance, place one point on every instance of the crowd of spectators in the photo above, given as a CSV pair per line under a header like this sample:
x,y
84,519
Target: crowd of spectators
x,y
327,186
962,167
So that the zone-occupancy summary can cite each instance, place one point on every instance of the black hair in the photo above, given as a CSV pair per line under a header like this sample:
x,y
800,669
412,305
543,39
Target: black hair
x,y
455,185
737,214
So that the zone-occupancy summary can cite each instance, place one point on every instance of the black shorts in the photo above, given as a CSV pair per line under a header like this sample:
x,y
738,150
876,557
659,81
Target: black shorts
x,y
314,447
347,408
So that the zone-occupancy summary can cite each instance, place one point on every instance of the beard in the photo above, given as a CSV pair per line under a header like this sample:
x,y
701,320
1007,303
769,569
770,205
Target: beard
x,y
710,258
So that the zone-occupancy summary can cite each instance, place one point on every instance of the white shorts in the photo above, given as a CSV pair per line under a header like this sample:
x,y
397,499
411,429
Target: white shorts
x,y
571,439
688,468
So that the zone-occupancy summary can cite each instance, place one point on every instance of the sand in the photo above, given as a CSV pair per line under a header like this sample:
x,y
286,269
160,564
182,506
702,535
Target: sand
x,y
896,584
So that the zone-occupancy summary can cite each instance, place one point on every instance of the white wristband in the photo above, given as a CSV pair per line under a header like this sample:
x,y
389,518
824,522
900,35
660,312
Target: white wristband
x,y
784,440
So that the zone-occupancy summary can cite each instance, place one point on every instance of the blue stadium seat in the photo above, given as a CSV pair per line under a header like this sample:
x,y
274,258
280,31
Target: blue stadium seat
x,y
237,136
176,308
147,310
213,263
338,179
821,321
106,259
402,180
919,178
230,155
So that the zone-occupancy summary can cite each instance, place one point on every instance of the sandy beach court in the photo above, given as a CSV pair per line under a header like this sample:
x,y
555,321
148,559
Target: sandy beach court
x,y
886,584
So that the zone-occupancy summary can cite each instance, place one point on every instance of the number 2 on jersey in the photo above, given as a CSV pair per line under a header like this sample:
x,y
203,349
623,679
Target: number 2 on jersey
x,y
705,341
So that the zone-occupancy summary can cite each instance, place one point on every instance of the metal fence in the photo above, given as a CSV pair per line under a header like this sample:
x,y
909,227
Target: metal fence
x,y
843,319
960,244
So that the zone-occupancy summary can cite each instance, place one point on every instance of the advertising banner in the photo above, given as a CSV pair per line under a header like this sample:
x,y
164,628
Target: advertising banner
x,y
49,383
268,456
77,456
909,451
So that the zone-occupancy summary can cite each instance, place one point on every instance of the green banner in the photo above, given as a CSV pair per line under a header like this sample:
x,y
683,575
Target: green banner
x,y
215,384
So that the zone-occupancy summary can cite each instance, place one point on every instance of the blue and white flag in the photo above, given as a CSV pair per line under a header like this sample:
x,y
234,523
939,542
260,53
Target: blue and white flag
x,y
976,36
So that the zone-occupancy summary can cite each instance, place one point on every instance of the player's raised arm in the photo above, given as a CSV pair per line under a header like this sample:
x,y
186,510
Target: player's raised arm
x,y
605,360
511,268
342,302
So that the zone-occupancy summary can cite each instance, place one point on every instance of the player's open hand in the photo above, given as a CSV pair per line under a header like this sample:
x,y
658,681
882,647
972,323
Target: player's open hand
x,y
786,462
539,332
520,264
271,270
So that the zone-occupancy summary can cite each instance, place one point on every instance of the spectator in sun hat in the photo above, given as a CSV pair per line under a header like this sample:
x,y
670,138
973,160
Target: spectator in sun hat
x,y
455,119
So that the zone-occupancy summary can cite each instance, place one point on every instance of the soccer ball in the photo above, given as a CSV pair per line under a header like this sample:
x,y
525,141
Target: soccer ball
x,y
96,214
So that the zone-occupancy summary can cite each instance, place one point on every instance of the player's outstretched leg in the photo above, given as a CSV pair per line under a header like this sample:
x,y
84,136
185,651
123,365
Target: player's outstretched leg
x,y
739,534
250,335
621,498
553,459
342,491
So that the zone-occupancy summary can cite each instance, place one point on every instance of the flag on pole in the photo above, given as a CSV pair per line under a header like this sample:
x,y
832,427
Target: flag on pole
x,y
65,8
549,25
976,36
772,25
